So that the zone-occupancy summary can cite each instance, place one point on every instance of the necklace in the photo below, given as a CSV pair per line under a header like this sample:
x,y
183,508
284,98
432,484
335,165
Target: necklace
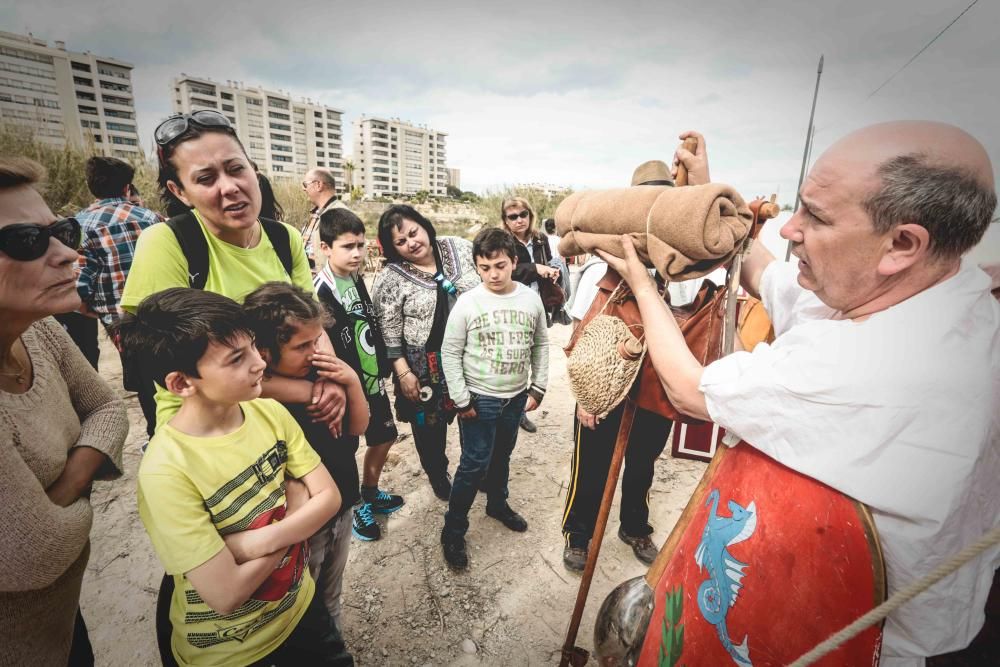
x,y
19,374
252,237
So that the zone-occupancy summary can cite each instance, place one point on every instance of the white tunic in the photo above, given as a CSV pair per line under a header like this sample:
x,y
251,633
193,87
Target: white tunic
x,y
900,411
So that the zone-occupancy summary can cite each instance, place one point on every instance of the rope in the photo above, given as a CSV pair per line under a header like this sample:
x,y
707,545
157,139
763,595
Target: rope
x,y
900,598
917,54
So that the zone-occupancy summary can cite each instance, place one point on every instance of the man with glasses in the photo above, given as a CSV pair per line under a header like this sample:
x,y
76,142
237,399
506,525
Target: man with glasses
x,y
111,228
321,188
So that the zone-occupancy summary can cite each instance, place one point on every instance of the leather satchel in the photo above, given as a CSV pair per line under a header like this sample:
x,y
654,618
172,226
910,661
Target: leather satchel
x,y
701,323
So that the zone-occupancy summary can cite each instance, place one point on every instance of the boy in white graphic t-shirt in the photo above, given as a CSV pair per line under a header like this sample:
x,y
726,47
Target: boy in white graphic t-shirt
x,y
495,360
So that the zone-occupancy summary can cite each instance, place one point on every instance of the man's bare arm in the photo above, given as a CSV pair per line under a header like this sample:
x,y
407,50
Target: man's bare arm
x,y
678,370
753,267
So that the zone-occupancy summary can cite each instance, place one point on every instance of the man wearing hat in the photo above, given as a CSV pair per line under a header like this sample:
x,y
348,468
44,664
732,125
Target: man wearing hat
x,y
594,440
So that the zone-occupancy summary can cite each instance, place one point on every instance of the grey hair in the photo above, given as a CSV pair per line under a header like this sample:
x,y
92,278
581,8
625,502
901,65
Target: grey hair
x,y
948,201
18,171
325,176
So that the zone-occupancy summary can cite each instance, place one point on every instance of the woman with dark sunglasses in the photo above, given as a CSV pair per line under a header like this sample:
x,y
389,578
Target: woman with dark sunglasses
x,y
423,276
61,427
205,174
533,251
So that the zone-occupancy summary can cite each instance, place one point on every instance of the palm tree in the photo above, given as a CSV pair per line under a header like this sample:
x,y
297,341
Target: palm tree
x,y
349,175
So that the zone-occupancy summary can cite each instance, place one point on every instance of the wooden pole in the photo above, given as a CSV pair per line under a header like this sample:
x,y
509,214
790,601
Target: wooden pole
x,y
571,654
690,145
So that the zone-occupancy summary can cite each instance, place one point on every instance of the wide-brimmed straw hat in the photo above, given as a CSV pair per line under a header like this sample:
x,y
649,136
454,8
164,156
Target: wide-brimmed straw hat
x,y
653,172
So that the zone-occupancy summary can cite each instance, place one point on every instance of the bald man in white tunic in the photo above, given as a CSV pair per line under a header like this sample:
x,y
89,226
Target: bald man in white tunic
x,y
884,377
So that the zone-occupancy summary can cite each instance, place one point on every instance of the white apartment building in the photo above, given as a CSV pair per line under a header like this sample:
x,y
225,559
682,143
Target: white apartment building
x,y
548,190
68,96
393,157
455,178
284,136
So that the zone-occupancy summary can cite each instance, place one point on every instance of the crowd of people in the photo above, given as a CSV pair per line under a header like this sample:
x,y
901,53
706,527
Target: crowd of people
x,y
260,360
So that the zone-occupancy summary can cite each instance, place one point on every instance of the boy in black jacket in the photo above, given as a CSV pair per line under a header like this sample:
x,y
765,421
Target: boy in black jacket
x,y
357,339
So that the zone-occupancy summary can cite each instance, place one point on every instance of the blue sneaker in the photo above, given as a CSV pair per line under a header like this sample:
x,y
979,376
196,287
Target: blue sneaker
x,y
385,503
364,525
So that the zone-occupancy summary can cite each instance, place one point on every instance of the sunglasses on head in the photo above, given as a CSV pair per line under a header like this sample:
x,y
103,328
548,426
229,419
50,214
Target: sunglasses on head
x,y
511,217
178,124
27,241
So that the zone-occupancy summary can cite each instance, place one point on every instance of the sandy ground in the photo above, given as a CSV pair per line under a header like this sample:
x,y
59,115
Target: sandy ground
x,y
402,605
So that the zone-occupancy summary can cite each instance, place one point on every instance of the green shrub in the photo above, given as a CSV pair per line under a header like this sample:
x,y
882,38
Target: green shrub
x,y
66,185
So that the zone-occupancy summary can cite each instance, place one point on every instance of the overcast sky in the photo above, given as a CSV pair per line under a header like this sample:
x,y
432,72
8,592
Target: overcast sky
x,y
569,93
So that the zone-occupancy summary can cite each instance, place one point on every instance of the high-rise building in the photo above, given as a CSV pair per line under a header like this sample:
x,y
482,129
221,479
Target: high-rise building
x,y
67,96
393,157
455,178
286,137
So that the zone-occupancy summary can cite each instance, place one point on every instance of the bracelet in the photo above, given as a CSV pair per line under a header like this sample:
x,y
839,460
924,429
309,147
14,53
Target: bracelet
x,y
400,376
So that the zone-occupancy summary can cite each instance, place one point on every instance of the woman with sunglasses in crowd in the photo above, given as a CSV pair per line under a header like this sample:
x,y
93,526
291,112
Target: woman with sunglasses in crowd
x,y
413,294
533,256
61,427
210,185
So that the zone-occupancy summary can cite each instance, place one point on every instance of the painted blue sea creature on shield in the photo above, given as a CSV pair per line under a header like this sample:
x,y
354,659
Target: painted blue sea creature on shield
x,y
719,592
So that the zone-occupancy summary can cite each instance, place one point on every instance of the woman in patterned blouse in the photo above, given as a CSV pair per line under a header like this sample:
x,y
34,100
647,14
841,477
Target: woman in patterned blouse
x,y
413,295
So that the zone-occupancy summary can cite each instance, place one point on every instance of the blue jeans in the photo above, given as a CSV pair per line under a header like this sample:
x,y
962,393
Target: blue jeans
x,y
487,443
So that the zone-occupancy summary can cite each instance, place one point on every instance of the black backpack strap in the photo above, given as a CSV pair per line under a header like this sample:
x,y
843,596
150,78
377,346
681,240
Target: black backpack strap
x,y
194,246
278,234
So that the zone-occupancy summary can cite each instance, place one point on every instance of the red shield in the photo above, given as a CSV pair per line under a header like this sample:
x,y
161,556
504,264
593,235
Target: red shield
x,y
764,564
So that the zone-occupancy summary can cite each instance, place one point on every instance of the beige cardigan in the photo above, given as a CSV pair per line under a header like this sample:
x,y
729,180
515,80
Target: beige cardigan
x,y
44,547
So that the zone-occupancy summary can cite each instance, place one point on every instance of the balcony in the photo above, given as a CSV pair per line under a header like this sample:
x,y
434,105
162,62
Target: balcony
x,y
204,101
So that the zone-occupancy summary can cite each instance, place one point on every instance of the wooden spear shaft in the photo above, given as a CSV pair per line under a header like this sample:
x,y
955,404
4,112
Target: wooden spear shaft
x,y
569,649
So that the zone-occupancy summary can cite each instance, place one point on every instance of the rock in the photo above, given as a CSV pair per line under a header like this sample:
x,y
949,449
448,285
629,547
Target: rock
x,y
445,593
468,646
385,652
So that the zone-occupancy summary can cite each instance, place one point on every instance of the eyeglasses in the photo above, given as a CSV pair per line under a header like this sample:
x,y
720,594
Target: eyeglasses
x,y
306,184
511,217
27,241
178,124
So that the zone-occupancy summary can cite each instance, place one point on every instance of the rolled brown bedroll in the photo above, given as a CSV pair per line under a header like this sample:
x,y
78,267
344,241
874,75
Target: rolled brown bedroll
x,y
683,233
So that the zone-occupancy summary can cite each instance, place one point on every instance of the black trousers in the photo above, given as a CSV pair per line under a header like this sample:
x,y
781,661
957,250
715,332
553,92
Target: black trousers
x,y
83,331
81,654
592,453
136,376
430,441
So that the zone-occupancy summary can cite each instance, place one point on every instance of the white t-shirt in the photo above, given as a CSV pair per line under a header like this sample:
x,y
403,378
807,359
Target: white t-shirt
x,y
901,412
593,271
586,289
554,244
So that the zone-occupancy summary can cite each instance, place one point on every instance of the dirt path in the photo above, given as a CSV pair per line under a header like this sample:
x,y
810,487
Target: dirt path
x,y
402,605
